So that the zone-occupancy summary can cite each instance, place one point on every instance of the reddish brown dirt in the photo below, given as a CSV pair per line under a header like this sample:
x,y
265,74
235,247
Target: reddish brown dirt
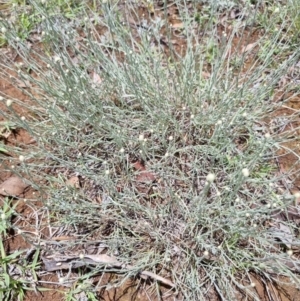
x,y
15,241
288,160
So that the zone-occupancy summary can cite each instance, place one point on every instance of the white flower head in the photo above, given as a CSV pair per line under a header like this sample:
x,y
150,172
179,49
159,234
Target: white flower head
x,y
9,102
210,177
297,195
3,30
22,158
141,137
107,171
57,59
245,172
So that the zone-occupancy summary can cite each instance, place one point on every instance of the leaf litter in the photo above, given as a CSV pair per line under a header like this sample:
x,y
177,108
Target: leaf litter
x,y
65,262
13,186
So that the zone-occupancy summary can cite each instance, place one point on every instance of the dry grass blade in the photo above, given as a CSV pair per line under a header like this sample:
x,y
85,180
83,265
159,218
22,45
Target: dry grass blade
x,y
65,262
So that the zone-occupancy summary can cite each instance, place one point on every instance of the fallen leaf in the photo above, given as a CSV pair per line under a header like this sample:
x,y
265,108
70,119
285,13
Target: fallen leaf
x,y
96,78
144,176
23,84
104,259
205,75
139,166
291,214
75,61
284,234
158,278
73,182
177,24
65,262
249,47
63,238
13,186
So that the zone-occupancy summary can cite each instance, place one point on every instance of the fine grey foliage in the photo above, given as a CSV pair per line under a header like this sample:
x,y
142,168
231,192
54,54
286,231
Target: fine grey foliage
x,y
174,151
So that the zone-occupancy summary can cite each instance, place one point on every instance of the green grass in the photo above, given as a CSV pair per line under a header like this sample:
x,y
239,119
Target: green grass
x,y
18,273
105,99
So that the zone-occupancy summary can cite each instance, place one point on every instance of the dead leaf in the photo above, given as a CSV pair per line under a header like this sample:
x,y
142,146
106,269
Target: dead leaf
x,y
13,186
284,234
35,37
75,61
249,47
73,182
63,238
291,214
177,24
23,84
139,166
287,236
75,261
205,75
158,278
104,259
96,78
144,176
